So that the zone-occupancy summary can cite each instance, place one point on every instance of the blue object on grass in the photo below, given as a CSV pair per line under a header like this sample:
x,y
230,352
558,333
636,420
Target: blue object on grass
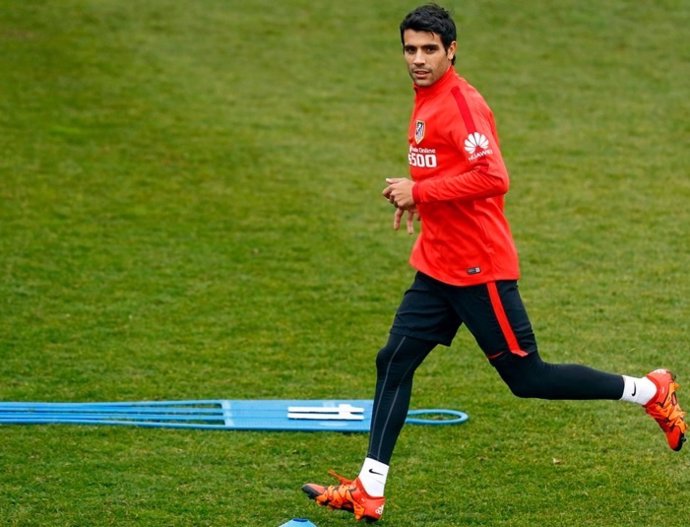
x,y
219,414
298,522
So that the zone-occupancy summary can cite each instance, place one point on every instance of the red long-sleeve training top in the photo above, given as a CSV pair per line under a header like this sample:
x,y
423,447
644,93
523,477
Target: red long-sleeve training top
x,y
460,183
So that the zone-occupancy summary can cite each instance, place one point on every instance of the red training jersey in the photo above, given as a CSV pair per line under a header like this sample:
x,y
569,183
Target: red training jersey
x,y
460,183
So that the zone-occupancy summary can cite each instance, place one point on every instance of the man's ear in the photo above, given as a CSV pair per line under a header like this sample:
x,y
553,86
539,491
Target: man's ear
x,y
451,50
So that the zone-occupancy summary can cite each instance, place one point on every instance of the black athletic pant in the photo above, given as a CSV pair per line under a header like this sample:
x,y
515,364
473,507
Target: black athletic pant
x,y
431,313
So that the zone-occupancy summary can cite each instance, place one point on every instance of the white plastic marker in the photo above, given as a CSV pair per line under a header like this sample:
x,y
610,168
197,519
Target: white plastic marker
x,y
342,412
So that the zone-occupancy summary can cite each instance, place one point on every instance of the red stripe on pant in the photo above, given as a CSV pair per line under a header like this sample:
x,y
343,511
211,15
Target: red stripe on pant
x,y
503,321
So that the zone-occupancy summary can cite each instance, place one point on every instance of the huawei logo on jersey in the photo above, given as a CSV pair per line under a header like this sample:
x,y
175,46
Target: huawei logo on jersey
x,y
477,145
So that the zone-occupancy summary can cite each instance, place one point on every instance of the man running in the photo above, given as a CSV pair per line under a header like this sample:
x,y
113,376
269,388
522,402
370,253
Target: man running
x,y
467,269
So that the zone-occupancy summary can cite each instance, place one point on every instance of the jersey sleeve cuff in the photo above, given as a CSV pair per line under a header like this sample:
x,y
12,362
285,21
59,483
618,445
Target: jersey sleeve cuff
x,y
416,193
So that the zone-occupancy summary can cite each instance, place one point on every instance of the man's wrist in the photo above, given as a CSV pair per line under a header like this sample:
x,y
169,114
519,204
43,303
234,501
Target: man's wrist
x,y
416,193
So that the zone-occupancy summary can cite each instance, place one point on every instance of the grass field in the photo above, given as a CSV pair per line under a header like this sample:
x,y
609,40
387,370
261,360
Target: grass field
x,y
189,209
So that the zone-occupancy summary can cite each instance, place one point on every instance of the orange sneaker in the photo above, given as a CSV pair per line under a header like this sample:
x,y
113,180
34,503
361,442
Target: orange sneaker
x,y
348,496
665,409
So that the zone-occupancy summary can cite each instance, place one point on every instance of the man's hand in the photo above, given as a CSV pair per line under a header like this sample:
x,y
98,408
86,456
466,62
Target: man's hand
x,y
411,213
399,192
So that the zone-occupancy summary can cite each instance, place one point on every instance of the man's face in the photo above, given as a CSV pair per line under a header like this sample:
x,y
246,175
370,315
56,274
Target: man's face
x,y
426,58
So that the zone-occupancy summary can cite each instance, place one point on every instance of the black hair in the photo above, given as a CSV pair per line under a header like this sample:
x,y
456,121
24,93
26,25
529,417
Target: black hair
x,y
432,18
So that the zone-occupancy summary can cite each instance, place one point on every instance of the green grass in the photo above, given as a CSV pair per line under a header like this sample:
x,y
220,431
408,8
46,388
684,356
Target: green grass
x,y
189,208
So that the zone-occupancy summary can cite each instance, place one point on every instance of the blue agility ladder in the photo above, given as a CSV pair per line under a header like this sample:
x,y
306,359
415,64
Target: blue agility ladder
x,y
271,414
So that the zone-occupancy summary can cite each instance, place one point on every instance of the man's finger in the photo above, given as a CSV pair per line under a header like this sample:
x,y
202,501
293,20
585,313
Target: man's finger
x,y
410,221
396,218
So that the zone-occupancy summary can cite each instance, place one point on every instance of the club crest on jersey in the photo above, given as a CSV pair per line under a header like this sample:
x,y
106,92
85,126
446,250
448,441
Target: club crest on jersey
x,y
419,128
